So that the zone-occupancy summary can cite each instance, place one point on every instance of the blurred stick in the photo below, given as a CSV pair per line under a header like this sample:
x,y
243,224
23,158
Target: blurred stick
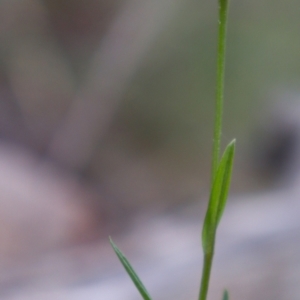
x,y
127,42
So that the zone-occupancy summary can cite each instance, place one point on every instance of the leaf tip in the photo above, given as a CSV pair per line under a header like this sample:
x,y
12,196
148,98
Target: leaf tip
x,y
225,295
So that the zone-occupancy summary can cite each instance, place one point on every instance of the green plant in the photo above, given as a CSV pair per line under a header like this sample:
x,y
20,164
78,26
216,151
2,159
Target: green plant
x,y
220,177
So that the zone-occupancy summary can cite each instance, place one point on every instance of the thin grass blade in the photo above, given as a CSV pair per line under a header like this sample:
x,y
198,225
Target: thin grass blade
x,y
218,197
225,295
209,225
227,164
130,271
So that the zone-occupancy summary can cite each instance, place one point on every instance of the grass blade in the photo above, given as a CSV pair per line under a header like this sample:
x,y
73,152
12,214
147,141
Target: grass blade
x,y
218,197
226,164
225,295
137,282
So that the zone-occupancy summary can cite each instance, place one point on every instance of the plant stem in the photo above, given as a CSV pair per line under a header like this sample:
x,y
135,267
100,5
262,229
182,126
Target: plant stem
x,y
223,8
207,262
208,255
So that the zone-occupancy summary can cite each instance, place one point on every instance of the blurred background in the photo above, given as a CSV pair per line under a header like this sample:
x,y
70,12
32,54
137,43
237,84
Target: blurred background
x,y
121,93
106,110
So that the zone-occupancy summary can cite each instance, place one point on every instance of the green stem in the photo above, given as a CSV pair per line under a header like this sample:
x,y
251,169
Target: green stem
x,y
223,8
208,257
206,269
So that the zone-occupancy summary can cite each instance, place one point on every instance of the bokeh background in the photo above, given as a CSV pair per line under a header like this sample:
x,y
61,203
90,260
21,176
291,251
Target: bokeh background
x,y
121,93
118,97
106,121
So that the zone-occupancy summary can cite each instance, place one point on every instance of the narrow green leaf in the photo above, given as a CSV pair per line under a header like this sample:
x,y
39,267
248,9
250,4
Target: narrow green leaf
x,y
227,161
218,197
137,282
225,295
210,224
208,232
